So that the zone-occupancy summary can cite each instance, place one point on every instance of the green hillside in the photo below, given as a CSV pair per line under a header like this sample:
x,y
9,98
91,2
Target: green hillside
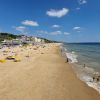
x,y
10,36
7,36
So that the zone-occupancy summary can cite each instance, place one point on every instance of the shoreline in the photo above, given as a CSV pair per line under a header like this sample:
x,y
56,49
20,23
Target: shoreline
x,y
43,75
86,74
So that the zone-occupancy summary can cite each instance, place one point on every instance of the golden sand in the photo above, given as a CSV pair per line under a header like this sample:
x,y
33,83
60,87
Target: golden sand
x,y
42,74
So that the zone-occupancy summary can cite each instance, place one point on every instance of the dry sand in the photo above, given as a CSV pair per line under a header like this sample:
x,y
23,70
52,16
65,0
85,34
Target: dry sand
x,y
43,75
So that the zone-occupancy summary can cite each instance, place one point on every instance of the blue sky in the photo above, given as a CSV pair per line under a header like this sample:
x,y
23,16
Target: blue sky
x,y
64,20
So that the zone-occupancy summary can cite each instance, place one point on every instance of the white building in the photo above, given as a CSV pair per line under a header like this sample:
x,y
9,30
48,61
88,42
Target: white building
x,y
38,40
23,39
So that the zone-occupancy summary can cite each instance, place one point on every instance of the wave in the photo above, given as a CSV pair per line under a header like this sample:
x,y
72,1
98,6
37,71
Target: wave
x,y
83,72
72,56
86,74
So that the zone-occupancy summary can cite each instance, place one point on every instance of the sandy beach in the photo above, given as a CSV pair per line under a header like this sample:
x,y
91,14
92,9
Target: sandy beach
x,y
41,74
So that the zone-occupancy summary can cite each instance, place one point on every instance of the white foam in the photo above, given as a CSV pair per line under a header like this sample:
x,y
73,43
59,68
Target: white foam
x,y
87,78
94,85
89,81
65,50
72,56
86,74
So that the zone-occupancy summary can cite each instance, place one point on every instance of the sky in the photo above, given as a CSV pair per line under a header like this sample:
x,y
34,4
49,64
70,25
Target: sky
x,y
61,20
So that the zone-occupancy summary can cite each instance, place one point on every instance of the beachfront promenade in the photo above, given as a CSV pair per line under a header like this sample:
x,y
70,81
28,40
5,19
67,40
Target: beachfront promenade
x,y
43,75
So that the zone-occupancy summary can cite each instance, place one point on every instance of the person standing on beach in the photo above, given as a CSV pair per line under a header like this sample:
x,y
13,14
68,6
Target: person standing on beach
x,y
67,60
84,65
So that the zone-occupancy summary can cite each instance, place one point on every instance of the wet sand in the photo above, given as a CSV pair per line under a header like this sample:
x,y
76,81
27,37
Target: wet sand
x,y
43,75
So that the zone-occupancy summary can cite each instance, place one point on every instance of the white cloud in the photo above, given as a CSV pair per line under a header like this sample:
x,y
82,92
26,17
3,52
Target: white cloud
x,y
53,33
20,28
78,8
57,13
49,33
30,23
81,2
42,32
56,33
56,26
77,28
66,33
59,33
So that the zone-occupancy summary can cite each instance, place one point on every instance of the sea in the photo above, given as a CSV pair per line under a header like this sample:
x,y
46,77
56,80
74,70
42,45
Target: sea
x,y
85,60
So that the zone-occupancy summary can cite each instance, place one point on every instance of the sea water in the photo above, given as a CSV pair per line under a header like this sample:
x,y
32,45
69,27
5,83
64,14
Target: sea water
x,y
86,60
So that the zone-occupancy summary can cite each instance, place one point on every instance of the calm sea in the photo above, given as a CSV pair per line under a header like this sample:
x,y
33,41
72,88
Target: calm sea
x,y
88,55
